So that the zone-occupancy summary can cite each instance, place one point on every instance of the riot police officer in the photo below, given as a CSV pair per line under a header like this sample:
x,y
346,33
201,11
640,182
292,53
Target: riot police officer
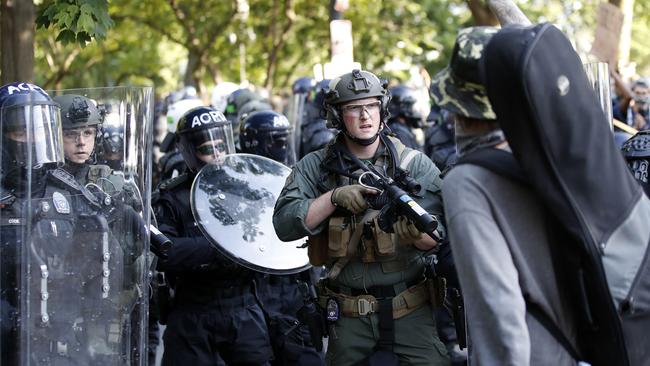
x,y
82,123
215,318
65,277
234,103
404,115
268,134
314,133
439,144
377,306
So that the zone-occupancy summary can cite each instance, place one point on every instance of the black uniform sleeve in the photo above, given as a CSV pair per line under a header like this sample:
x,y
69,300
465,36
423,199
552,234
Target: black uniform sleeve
x,y
187,252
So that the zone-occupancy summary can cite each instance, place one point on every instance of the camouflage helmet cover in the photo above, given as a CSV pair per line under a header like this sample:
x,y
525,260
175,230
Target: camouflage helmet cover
x,y
459,88
78,111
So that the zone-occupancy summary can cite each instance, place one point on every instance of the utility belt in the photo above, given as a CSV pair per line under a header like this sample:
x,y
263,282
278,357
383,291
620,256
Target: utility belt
x,y
359,302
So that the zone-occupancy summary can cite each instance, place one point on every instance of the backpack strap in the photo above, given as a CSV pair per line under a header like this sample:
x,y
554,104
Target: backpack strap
x,y
498,161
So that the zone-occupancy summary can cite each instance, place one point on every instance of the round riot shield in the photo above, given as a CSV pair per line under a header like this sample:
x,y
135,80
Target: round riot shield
x,y
232,202
79,231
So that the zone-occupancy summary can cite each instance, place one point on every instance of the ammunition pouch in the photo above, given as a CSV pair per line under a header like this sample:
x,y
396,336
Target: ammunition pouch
x,y
317,249
339,233
374,241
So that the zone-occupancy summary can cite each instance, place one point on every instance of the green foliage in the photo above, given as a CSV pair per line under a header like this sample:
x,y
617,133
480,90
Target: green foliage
x,y
152,40
640,52
78,21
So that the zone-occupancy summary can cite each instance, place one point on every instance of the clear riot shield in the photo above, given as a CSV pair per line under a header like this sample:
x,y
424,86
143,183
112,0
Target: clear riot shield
x,y
30,145
84,243
296,115
232,202
598,76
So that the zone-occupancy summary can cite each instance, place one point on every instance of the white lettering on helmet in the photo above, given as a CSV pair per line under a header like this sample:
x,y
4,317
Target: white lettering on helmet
x,y
208,117
23,87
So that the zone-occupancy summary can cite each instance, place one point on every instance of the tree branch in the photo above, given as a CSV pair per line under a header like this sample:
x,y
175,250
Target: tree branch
x,y
290,17
218,29
156,27
508,12
191,36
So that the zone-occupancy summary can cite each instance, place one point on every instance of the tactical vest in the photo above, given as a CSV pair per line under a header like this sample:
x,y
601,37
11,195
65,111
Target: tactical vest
x,y
349,236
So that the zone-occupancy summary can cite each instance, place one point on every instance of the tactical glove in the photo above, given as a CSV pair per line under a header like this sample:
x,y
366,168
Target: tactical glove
x,y
351,197
406,232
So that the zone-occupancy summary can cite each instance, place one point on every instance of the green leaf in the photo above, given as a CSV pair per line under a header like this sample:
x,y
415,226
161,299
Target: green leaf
x,y
66,36
86,23
83,38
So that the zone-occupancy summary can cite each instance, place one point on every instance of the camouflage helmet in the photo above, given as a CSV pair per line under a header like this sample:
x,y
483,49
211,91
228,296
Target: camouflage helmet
x,y
459,88
355,85
78,111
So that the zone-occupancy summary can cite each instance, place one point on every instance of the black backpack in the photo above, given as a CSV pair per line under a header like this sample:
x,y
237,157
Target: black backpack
x,y
562,141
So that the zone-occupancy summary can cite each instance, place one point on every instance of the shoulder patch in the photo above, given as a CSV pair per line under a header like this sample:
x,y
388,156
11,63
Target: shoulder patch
x,y
173,182
63,177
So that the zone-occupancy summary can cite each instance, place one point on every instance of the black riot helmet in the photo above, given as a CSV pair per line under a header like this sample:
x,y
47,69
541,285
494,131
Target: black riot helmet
x,y
202,134
236,100
402,104
303,85
112,140
636,151
31,130
252,107
267,133
355,85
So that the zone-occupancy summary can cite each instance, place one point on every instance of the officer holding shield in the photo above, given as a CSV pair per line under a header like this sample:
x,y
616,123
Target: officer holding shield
x,y
268,134
215,318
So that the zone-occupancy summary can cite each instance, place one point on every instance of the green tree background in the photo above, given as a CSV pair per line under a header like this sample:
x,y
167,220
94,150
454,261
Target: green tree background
x,y
170,43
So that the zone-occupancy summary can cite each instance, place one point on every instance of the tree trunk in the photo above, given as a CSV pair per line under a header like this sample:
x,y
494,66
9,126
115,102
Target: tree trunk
x,y
193,65
624,43
17,27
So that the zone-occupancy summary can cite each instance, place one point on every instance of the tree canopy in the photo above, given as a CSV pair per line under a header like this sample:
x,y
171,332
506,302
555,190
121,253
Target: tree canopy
x,y
270,43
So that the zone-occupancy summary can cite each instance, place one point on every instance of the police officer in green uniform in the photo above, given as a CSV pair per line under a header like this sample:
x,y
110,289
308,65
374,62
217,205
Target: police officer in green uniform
x,y
377,298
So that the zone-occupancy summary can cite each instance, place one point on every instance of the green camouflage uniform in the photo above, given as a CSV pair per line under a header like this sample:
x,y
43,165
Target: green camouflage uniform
x,y
354,338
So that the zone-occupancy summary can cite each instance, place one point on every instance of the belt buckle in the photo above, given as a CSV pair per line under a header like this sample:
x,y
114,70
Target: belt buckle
x,y
364,306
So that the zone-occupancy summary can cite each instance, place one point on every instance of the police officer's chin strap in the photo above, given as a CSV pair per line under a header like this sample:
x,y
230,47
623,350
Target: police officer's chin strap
x,y
363,142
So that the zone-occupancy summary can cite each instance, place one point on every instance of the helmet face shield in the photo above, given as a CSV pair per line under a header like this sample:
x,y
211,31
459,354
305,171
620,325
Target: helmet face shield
x,y
203,146
268,134
31,135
